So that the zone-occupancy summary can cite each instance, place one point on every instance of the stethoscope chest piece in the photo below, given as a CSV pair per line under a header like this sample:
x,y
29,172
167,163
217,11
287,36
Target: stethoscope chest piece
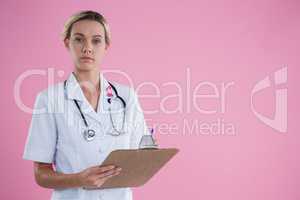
x,y
89,134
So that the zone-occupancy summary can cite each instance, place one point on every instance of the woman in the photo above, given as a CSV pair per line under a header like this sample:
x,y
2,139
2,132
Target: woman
x,y
78,122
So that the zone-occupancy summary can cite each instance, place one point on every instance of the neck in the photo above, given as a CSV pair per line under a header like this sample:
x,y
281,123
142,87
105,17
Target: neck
x,y
88,79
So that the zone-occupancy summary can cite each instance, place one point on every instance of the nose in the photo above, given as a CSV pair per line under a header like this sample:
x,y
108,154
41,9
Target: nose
x,y
87,48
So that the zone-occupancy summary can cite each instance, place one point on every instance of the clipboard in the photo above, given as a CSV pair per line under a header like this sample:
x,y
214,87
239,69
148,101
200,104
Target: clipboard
x,y
138,165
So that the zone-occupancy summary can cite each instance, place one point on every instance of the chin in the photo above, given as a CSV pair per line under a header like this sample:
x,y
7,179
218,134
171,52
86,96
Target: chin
x,y
86,66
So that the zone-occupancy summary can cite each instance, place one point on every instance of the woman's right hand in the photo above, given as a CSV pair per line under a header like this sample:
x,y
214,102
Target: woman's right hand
x,y
96,176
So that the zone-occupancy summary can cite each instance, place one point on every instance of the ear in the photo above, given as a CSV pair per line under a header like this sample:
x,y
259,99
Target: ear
x,y
67,43
106,47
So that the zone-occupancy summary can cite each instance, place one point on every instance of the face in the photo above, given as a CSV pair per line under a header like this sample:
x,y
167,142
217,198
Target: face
x,y
86,44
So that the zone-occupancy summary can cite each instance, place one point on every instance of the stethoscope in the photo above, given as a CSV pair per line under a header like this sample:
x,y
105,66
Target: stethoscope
x,y
89,134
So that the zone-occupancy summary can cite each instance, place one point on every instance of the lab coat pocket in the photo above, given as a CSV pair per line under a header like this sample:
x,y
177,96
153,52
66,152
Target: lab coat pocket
x,y
67,148
121,141
66,156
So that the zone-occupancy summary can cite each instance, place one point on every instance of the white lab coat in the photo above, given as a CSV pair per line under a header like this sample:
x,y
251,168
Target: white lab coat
x,y
56,134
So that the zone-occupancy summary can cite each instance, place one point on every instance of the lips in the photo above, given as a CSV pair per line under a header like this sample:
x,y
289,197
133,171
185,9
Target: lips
x,y
87,59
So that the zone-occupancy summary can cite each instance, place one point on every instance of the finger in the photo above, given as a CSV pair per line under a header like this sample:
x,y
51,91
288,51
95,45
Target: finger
x,y
101,171
105,168
108,174
102,180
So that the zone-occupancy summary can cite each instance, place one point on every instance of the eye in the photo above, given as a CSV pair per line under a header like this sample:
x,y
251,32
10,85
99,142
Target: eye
x,y
96,41
78,39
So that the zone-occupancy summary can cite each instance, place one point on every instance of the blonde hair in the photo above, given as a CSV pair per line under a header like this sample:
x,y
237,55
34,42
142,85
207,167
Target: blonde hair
x,y
86,15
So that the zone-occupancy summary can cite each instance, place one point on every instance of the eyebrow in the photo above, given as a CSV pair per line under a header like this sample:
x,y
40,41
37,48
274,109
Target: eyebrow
x,y
83,35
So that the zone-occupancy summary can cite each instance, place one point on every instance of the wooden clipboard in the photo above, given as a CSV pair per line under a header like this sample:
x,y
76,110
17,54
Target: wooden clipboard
x,y
138,165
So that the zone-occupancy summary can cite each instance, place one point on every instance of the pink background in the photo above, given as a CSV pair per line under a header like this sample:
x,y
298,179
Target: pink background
x,y
219,41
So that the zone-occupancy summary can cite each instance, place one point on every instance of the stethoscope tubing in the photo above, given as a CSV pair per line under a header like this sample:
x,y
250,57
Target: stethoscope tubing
x,y
109,101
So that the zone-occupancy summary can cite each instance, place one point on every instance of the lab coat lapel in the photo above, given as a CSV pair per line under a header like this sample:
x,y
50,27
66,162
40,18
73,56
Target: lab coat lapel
x,y
73,89
74,92
102,103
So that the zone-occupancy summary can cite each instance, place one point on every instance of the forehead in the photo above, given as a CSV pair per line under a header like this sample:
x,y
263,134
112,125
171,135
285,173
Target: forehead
x,y
88,28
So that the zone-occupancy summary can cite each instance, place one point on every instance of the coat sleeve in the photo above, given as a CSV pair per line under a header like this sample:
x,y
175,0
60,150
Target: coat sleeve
x,y
42,136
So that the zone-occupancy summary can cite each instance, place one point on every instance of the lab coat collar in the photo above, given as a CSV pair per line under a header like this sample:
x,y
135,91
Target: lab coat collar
x,y
74,91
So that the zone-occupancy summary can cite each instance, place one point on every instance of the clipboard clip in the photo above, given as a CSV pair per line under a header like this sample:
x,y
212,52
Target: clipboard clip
x,y
148,142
